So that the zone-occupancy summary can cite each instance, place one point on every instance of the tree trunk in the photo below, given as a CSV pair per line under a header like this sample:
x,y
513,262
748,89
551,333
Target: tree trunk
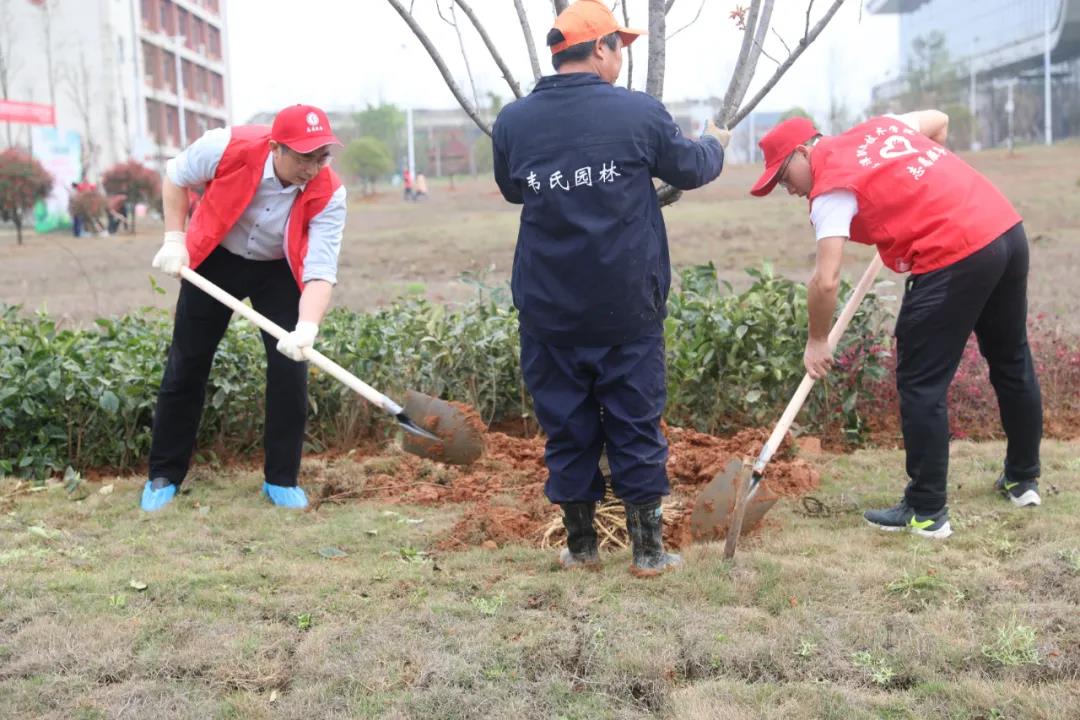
x,y
17,218
654,77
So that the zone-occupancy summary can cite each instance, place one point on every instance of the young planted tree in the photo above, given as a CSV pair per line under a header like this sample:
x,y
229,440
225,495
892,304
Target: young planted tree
x,y
367,159
23,181
754,20
138,182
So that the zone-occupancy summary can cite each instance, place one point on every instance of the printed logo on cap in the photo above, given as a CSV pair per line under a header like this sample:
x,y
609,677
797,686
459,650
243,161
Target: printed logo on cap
x,y
313,123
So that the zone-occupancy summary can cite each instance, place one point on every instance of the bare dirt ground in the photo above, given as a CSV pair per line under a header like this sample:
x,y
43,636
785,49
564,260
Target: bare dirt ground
x,y
393,248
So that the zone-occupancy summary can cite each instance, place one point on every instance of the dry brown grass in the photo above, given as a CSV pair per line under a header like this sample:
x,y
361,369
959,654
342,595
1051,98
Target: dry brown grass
x,y
820,617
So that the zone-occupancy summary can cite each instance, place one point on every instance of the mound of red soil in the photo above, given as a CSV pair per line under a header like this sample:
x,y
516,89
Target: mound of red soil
x,y
505,488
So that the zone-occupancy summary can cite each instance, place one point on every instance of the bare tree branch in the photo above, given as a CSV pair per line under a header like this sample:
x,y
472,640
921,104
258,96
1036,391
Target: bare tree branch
x,y
529,44
782,42
654,76
448,78
558,5
746,63
629,51
696,16
667,7
507,75
804,43
464,55
809,7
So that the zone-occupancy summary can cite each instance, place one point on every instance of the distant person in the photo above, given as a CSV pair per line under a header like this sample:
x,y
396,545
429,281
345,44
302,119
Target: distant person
x,y
76,216
117,208
268,228
891,183
591,274
421,187
407,181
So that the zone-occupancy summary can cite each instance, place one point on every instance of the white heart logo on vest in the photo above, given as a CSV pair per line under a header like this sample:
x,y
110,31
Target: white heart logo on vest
x,y
896,146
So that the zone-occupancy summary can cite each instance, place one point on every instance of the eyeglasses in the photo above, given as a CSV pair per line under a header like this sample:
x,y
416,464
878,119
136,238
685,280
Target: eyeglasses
x,y
310,159
780,179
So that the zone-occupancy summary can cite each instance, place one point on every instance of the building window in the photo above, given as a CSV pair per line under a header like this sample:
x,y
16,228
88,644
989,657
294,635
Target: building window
x,y
168,67
151,65
215,43
168,17
149,16
173,124
182,25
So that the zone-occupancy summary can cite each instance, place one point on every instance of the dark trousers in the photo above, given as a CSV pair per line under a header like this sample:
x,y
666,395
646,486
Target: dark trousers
x,y
589,398
985,292
201,322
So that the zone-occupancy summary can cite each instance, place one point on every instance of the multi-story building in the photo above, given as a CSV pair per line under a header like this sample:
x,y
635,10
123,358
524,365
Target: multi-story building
x,y
184,71
133,78
998,49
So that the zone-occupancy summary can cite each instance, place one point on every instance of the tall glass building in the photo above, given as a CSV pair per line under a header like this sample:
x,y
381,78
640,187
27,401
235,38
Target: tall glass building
x,y
998,46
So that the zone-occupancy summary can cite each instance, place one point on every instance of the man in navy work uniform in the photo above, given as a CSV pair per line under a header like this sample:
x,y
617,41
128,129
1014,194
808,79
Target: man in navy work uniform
x,y
591,274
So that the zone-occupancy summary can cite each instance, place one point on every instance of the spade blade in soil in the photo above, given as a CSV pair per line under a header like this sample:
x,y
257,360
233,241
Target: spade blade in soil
x,y
714,508
461,439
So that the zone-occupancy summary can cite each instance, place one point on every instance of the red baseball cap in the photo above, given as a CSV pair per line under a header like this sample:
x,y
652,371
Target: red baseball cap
x,y
303,128
588,20
776,145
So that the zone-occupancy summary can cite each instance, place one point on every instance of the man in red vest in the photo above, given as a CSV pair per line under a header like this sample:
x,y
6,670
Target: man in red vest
x,y
268,227
891,183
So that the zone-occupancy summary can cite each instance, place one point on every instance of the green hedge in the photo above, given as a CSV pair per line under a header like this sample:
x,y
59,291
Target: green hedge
x,y
84,397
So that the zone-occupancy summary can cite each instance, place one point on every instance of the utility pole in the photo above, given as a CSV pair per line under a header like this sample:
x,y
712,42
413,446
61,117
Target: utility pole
x,y
972,99
1048,125
180,91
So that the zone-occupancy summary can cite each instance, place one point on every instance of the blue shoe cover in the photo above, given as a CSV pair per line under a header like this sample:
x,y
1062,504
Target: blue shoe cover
x,y
157,494
288,497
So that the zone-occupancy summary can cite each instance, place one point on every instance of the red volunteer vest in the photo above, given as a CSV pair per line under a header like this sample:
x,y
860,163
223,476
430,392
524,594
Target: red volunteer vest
x,y
921,205
227,196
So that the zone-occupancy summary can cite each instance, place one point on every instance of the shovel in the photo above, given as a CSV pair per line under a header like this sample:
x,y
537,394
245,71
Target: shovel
x,y
458,441
726,504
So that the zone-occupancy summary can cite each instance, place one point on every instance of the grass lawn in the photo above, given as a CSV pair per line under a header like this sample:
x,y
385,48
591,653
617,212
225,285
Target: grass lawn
x,y
222,607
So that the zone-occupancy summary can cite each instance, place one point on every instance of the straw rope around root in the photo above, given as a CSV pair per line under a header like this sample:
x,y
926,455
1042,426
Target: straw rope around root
x,y
610,523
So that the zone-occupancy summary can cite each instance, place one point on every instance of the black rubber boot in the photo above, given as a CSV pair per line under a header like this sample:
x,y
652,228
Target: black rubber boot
x,y
645,525
581,546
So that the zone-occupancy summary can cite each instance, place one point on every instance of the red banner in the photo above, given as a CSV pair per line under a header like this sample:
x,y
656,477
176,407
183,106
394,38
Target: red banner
x,y
26,112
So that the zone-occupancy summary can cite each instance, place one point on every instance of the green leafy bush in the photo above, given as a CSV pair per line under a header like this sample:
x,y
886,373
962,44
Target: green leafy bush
x,y
734,360
85,397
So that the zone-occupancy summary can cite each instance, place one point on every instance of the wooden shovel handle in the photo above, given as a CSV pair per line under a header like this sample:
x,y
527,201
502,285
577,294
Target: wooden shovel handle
x,y
264,323
797,400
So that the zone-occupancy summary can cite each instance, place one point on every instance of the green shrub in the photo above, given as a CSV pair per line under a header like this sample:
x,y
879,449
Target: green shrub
x,y
85,397
734,360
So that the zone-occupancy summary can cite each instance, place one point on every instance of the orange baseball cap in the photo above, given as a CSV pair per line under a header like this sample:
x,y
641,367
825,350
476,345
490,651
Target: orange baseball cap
x,y
587,20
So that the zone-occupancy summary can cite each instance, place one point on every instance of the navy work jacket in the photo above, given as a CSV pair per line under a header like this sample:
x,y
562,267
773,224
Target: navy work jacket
x,y
591,267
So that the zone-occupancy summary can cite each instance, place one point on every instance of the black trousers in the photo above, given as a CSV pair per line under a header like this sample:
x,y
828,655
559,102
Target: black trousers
x,y
985,292
200,324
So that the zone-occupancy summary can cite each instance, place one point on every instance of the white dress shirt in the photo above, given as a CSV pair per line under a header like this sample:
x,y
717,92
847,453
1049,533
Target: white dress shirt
x,y
259,234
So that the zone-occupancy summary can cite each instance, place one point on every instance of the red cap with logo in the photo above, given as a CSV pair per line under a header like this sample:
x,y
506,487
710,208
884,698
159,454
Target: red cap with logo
x,y
588,20
776,145
303,128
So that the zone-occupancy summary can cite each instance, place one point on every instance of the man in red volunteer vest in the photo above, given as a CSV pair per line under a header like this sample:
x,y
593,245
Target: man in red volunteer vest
x,y
891,183
268,228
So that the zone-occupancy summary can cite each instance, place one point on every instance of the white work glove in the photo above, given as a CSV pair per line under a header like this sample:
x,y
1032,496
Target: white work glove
x,y
292,345
173,254
711,128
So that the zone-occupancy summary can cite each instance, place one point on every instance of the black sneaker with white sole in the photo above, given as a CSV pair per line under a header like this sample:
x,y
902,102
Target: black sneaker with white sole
x,y
903,517
1022,493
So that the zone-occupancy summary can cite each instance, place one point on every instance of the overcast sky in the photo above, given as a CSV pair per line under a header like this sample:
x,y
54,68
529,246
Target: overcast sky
x,y
344,54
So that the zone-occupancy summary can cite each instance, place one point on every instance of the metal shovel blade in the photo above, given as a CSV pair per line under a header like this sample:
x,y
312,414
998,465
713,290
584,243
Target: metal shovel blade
x,y
460,438
714,509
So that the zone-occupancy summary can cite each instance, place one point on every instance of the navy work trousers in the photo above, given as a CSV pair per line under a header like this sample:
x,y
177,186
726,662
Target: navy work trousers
x,y
200,324
591,398
985,292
